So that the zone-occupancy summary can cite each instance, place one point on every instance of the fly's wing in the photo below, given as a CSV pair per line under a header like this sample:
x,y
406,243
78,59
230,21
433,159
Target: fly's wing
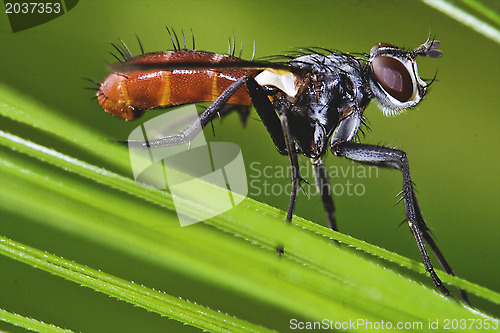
x,y
192,60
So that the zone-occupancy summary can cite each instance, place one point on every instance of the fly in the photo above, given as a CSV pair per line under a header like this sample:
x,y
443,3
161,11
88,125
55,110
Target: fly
x,y
309,103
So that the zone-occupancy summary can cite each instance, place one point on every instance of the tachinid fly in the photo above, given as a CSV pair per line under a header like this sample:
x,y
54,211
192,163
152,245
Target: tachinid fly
x,y
308,103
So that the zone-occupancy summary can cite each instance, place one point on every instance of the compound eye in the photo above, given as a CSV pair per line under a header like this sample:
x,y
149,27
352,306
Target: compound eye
x,y
394,77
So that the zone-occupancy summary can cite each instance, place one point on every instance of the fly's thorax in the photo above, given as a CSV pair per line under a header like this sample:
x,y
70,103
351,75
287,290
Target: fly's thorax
x,y
337,82
323,88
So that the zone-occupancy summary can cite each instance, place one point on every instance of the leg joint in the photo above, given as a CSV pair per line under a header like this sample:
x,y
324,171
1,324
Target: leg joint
x,y
335,147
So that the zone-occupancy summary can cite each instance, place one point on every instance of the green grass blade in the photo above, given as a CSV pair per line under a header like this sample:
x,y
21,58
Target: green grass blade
x,y
235,224
317,279
204,252
400,260
22,109
483,10
482,27
29,323
147,298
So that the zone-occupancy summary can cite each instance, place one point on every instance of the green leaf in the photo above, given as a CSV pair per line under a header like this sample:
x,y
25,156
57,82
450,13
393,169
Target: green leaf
x,y
478,22
29,323
316,279
127,291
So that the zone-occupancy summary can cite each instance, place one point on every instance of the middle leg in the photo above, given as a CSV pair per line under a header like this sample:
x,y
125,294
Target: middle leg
x,y
394,158
291,148
325,190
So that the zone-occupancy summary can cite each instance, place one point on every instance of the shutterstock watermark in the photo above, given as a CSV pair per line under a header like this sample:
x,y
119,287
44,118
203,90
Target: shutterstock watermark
x,y
344,180
205,179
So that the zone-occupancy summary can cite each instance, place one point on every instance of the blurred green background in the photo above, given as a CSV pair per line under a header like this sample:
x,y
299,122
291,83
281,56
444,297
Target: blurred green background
x,y
452,138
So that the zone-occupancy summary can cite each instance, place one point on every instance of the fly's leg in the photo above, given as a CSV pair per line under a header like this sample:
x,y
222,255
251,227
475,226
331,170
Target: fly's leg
x,y
442,261
394,158
267,114
194,129
324,188
277,128
437,252
260,100
294,164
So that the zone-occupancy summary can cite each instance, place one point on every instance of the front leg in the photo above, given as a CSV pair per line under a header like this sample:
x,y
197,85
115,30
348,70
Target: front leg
x,y
196,127
394,158
291,148
324,188
260,100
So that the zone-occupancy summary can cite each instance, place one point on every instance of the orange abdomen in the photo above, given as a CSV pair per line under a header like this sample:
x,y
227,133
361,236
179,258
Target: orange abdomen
x,y
129,95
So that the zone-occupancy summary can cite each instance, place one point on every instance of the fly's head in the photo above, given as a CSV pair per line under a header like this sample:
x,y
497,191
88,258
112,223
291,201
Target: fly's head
x,y
393,75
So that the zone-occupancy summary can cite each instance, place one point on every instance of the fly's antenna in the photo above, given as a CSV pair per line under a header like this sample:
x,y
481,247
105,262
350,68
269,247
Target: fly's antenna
x,y
172,39
140,44
241,49
192,39
253,53
428,49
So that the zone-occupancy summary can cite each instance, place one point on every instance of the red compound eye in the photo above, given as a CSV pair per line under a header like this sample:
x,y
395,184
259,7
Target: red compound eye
x,y
393,76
